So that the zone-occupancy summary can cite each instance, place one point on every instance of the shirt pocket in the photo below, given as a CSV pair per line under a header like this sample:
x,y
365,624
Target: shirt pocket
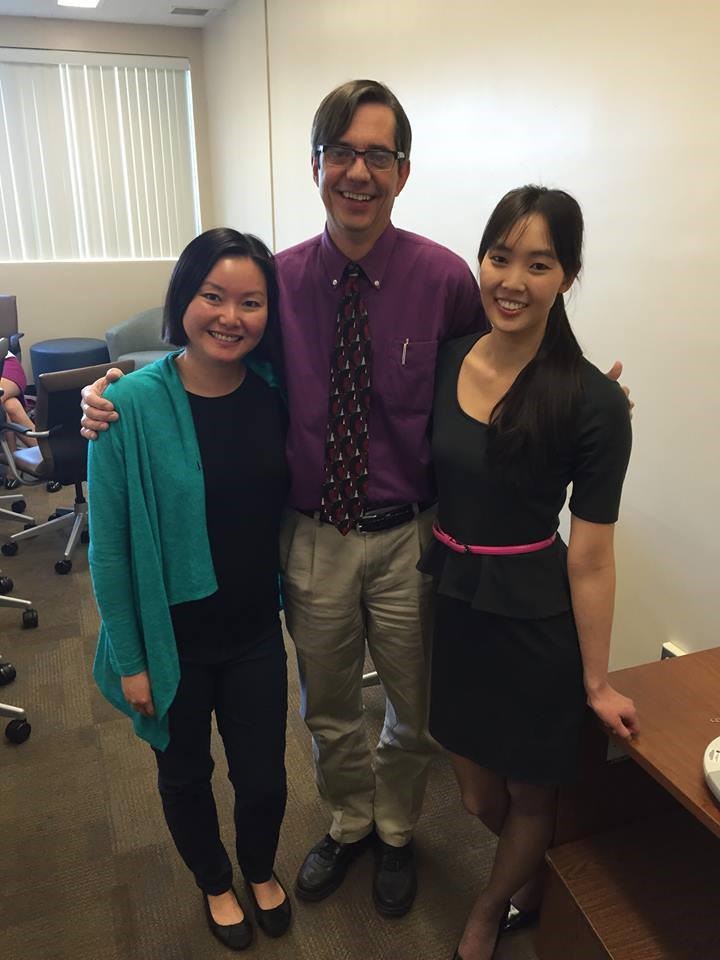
x,y
411,375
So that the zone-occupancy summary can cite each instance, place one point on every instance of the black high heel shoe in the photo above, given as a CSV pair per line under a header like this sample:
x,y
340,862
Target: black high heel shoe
x,y
518,919
276,920
236,936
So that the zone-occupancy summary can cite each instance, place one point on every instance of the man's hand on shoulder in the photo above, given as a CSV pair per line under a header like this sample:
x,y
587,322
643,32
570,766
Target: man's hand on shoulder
x,y
614,373
98,413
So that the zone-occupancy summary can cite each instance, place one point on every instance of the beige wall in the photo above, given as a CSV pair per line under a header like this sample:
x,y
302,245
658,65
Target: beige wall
x,y
614,101
239,119
84,299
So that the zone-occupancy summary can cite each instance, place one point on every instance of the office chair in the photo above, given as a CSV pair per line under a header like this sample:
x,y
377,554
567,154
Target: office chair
x,y
371,679
138,338
18,730
30,615
17,504
61,453
9,322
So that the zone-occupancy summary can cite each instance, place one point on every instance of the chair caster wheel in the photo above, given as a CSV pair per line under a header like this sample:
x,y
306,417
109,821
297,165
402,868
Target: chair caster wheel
x,y
30,619
52,486
17,731
7,673
18,506
11,483
9,549
63,566
6,584
85,537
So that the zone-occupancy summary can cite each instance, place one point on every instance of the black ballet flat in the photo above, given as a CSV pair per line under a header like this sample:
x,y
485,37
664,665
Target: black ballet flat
x,y
236,936
276,920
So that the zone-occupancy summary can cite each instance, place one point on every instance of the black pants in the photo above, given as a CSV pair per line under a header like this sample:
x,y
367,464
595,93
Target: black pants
x,y
249,696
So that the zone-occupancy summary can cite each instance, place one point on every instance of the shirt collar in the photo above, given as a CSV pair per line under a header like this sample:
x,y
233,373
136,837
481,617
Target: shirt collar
x,y
373,264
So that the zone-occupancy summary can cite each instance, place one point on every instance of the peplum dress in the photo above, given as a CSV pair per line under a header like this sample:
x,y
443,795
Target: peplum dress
x,y
506,680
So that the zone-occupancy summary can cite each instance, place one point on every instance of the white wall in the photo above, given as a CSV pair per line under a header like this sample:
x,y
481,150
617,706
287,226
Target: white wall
x,y
239,120
83,299
614,101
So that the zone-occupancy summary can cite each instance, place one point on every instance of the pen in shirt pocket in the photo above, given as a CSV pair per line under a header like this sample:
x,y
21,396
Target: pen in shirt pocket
x,y
404,352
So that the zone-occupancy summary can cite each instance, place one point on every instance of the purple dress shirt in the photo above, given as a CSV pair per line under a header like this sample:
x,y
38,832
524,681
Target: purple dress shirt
x,y
418,294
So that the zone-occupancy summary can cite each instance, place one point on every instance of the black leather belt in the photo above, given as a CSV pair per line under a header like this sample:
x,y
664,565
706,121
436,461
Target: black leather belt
x,y
383,518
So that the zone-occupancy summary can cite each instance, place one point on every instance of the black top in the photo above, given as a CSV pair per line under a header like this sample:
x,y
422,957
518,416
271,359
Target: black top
x,y
477,505
241,437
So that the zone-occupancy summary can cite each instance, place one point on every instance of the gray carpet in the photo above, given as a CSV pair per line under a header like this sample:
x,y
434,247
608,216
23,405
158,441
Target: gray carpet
x,y
88,869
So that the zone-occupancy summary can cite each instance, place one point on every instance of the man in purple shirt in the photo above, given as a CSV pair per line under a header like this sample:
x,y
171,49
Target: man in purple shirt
x,y
343,589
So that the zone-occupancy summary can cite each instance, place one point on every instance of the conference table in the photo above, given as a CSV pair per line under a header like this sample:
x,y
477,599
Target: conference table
x,y
634,869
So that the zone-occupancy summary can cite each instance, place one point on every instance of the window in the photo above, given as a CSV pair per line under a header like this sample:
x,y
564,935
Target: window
x,y
97,156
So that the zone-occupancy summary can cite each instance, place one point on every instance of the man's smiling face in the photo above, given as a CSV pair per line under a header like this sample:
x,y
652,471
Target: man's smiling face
x,y
359,201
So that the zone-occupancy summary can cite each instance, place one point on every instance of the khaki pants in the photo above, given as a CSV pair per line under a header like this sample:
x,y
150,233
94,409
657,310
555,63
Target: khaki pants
x,y
340,591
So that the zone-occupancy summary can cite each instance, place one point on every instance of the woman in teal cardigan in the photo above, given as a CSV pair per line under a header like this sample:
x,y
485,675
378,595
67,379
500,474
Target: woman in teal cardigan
x,y
189,598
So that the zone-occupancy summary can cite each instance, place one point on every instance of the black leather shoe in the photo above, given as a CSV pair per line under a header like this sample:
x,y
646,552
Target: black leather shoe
x,y
276,920
518,919
395,880
324,868
236,936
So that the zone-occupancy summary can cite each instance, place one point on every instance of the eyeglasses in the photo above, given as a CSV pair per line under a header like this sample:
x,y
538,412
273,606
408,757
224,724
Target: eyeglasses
x,y
375,159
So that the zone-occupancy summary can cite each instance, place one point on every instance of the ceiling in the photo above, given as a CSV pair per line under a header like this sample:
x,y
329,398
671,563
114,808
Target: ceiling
x,y
118,11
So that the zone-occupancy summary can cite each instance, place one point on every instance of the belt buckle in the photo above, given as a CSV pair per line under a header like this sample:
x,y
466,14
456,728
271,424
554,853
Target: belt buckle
x,y
365,522
384,518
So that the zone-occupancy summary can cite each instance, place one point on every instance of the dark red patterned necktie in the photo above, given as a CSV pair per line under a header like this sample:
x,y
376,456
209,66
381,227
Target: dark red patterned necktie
x,y
345,481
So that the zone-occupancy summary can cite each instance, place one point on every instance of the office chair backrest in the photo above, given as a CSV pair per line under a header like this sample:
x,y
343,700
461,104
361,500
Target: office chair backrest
x,y
58,409
9,322
8,314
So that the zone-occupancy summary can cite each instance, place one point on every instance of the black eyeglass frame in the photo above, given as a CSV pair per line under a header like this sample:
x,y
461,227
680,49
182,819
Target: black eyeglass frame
x,y
397,155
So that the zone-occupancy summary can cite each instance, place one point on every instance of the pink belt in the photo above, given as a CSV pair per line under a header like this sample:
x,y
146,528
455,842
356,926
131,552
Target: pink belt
x,y
453,544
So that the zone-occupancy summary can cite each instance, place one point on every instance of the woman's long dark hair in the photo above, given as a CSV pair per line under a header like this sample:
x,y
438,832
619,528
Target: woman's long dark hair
x,y
534,416
195,263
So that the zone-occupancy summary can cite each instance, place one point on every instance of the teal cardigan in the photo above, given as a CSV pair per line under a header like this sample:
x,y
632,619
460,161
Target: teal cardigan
x,y
149,546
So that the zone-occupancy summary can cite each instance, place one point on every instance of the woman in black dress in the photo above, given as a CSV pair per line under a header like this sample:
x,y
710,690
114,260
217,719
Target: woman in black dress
x,y
523,622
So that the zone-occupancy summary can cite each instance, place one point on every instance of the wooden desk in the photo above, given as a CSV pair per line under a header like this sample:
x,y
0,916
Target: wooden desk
x,y
635,874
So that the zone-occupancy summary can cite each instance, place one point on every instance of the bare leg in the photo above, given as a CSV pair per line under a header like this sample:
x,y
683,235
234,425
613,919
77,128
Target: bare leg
x,y
15,412
524,837
485,795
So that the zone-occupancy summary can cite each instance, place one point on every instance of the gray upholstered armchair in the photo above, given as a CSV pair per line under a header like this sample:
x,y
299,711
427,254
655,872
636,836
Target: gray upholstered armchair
x,y
138,338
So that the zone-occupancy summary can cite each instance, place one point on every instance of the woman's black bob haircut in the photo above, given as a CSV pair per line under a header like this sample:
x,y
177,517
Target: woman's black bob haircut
x,y
195,263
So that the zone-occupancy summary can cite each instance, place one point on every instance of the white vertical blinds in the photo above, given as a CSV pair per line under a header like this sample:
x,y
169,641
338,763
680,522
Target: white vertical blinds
x,y
97,159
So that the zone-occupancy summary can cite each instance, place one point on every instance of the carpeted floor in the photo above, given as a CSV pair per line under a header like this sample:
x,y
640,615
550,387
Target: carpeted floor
x,y
88,869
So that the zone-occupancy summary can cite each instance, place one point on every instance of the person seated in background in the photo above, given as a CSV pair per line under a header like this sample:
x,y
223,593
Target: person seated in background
x,y
522,622
190,624
13,384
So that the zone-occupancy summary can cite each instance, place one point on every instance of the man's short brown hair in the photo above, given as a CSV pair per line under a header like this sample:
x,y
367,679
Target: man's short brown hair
x,y
335,113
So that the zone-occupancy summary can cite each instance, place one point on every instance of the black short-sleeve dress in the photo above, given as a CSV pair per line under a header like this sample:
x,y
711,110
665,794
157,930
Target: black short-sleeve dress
x,y
506,686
